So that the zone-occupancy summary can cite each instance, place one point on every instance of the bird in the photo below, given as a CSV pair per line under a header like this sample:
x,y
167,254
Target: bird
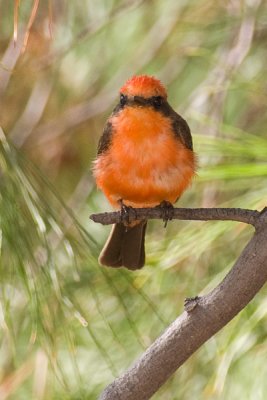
x,y
145,158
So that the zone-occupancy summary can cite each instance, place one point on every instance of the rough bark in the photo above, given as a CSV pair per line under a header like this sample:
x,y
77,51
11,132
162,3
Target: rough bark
x,y
200,214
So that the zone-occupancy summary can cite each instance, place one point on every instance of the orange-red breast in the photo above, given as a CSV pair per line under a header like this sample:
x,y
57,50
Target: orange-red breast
x,y
145,156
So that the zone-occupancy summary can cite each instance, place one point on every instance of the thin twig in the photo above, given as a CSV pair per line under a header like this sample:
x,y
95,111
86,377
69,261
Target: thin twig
x,y
199,214
29,25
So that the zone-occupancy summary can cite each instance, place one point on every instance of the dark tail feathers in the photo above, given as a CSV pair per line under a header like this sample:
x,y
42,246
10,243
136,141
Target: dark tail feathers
x,y
125,247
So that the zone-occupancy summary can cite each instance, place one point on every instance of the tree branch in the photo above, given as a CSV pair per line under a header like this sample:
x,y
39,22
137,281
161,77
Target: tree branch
x,y
206,316
200,214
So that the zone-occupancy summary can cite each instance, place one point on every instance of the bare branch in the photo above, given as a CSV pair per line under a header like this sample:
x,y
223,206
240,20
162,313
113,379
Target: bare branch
x,y
200,214
195,326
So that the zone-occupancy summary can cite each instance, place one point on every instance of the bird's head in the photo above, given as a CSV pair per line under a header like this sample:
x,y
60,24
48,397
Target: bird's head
x,y
143,86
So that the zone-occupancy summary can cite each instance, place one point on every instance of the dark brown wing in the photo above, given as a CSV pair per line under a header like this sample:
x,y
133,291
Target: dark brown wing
x,y
180,126
182,130
105,139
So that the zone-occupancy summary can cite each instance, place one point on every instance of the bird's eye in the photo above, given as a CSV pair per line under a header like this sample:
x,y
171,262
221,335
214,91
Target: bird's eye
x,y
123,99
157,101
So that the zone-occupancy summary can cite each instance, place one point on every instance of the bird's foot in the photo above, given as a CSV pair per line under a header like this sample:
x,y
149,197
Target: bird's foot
x,y
128,214
167,211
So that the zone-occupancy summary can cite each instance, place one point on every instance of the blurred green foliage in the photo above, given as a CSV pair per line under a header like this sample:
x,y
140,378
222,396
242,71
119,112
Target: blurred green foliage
x,y
68,326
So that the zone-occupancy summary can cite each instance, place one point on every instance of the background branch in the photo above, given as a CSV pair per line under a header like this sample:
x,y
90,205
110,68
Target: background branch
x,y
191,329
201,214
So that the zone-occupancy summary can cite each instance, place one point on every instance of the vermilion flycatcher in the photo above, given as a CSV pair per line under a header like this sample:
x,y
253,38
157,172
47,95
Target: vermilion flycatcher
x,y
145,157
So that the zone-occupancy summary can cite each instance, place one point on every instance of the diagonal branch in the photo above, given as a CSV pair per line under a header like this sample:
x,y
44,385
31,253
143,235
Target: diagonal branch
x,y
202,318
200,214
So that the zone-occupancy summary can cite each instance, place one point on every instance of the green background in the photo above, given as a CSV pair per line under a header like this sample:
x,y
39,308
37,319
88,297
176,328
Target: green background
x,y
68,326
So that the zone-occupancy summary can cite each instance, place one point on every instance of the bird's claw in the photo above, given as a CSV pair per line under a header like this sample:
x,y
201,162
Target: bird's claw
x,y
127,214
167,210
